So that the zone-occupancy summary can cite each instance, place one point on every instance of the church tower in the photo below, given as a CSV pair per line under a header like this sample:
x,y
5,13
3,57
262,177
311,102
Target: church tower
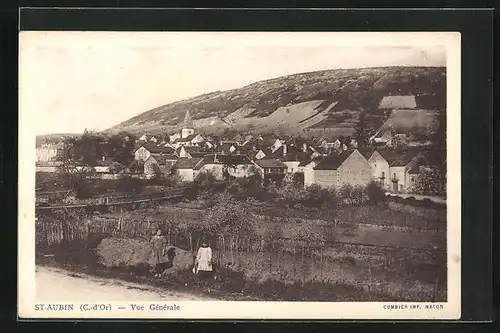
x,y
187,128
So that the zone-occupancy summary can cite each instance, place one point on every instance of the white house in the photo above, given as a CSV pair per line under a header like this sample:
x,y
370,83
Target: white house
x,y
48,152
335,170
400,178
184,168
174,137
143,152
238,166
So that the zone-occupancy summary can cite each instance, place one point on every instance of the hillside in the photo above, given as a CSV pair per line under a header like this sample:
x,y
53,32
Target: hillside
x,y
317,103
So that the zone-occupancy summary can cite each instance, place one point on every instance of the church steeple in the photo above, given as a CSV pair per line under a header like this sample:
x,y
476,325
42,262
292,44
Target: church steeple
x,y
187,127
188,122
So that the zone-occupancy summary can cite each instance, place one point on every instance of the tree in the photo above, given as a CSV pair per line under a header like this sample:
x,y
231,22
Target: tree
x,y
430,181
229,217
75,176
136,167
121,146
361,131
375,193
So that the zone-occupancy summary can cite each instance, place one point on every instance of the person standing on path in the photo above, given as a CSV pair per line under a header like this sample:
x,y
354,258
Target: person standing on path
x,y
159,243
203,261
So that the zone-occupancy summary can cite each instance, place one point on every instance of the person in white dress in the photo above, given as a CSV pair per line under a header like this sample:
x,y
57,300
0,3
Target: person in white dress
x,y
203,261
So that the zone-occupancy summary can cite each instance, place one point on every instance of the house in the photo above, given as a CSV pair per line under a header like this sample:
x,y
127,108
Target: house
x,y
221,166
434,159
164,163
398,102
174,137
383,136
187,141
335,170
260,154
153,139
309,162
277,144
143,152
399,171
144,138
184,168
188,152
208,145
271,169
380,161
280,152
292,160
49,152
227,148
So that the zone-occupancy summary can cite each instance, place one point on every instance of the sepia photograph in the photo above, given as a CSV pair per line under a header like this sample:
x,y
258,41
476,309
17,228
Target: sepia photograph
x,y
262,173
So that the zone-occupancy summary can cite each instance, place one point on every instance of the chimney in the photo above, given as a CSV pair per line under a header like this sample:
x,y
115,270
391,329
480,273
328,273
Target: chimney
x,y
304,147
103,158
284,150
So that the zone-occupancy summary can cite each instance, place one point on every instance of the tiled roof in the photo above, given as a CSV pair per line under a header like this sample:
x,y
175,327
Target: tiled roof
x,y
333,161
366,152
186,163
154,148
405,159
294,155
186,139
308,160
271,163
197,154
390,155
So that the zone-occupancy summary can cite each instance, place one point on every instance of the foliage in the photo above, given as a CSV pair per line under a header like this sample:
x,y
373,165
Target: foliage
x,y
272,237
353,195
121,146
91,147
136,167
375,193
317,196
157,178
229,217
116,167
205,180
430,181
75,176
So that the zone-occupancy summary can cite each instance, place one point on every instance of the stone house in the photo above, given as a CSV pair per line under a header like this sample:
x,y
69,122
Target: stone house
x,y
184,168
335,170
399,170
238,166
144,151
164,163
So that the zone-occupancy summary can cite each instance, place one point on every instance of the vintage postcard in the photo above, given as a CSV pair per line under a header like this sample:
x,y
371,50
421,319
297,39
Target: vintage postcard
x,y
216,175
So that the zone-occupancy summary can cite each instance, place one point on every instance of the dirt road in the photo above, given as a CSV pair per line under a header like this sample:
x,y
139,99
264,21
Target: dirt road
x,y
54,284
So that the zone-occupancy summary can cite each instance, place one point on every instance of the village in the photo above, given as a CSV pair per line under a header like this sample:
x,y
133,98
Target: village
x,y
390,159
287,217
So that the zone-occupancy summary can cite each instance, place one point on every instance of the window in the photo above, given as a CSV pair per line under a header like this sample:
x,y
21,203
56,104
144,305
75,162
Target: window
x,y
383,174
394,175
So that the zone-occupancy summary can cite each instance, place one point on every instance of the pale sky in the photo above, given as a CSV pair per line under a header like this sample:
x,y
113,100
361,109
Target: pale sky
x,y
70,81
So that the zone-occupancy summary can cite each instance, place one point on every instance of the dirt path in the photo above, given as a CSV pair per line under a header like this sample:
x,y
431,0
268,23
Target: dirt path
x,y
53,284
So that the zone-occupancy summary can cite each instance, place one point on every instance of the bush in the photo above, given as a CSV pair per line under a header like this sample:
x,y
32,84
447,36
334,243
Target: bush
x,y
136,167
319,197
205,180
353,195
375,193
